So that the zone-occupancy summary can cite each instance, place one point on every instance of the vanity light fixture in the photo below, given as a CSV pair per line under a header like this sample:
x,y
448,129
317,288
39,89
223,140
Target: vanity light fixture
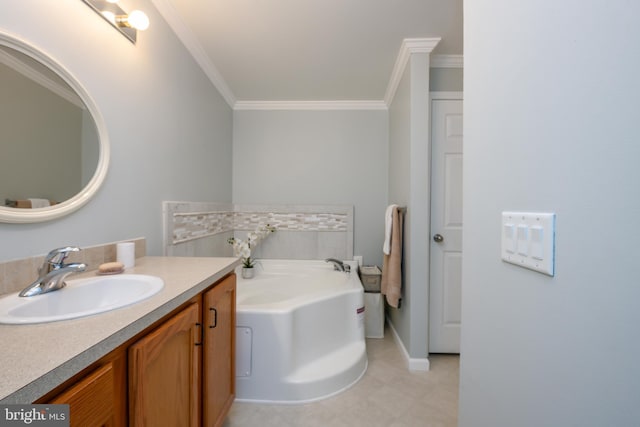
x,y
128,24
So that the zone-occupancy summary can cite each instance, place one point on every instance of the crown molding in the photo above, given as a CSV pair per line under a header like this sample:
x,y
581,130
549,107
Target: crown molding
x,y
447,61
192,44
408,47
310,105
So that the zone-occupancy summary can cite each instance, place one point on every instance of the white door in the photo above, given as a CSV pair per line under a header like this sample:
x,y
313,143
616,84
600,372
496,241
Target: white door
x,y
446,226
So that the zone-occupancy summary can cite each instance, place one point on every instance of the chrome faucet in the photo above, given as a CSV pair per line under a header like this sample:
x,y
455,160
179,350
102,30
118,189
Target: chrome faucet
x,y
53,272
339,265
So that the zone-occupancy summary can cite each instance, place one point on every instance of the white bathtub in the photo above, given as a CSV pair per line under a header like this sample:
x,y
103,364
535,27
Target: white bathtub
x,y
300,332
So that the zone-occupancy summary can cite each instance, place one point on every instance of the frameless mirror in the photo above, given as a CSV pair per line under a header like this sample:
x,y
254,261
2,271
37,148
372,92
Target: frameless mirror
x,y
53,142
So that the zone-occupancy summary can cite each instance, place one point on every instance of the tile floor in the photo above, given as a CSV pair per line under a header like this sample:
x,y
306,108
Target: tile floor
x,y
387,396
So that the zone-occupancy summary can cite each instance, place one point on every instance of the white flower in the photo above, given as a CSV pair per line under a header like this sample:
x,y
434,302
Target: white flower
x,y
245,252
242,248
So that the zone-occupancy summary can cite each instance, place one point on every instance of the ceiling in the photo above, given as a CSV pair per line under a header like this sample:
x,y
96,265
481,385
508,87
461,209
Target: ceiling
x,y
308,50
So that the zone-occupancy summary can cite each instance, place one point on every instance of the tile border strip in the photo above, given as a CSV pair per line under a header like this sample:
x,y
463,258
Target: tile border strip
x,y
184,226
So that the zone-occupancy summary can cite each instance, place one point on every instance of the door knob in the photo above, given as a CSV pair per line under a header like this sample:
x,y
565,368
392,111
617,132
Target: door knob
x,y
438,238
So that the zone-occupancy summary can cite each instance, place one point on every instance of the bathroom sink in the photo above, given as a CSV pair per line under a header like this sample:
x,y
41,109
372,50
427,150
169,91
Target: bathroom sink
x,y
81,297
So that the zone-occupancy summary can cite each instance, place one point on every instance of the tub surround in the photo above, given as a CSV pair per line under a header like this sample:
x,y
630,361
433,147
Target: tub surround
x,y
37,358
304,231
188,221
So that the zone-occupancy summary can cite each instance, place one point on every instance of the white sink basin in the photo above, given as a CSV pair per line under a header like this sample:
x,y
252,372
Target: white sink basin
x,y
81,297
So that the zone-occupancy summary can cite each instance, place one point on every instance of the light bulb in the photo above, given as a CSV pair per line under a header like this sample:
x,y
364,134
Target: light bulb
x,y
111,17
138,20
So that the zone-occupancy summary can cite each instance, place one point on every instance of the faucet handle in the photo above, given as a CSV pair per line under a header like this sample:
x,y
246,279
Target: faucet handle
x,y
54,259
57,256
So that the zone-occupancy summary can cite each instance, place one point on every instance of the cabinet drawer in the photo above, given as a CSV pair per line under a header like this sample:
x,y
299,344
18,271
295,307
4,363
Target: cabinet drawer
x,y
91,400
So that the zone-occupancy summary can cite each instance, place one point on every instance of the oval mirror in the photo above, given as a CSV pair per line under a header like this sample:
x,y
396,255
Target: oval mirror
x,y
54,151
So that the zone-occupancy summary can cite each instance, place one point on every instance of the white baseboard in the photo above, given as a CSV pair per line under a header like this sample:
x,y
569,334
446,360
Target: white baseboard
x,y
413,364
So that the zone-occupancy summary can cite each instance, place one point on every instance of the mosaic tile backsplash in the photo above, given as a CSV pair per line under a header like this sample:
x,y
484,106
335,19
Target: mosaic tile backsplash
x,y
308,231
189,226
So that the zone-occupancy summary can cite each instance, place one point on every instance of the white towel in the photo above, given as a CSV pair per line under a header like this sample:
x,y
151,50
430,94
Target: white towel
x,y
388,220
39,203
391,283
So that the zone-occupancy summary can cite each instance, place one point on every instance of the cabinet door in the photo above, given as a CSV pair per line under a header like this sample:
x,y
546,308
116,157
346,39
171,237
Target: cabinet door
x,y
91,400
164,369
219,311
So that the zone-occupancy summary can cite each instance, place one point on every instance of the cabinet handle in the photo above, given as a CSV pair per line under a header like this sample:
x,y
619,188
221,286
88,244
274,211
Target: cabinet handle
x,y
201,334
215,317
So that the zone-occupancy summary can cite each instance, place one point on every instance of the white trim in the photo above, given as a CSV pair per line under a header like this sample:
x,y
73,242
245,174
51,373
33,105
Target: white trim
x,y
446,95
310,105
36,76
413,364
408,47
13,215
447,61
192,44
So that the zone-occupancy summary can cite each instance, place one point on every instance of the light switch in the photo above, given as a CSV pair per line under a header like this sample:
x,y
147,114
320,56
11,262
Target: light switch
x,y
510,238
523,240
537,242
528,240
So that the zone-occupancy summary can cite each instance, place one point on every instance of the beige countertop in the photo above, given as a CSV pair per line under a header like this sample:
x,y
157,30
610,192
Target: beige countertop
x,y
36,358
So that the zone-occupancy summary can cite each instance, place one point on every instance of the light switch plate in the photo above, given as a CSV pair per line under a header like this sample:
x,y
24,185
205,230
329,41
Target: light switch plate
x,y
528,240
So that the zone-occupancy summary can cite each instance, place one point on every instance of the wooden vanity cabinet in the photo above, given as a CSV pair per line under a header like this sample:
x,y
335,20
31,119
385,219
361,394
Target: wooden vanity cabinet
x,y
218,385
183,373
179,372
96,397
164,373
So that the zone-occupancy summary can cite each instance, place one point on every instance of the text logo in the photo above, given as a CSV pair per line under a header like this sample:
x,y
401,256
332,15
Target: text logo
x,y
34,415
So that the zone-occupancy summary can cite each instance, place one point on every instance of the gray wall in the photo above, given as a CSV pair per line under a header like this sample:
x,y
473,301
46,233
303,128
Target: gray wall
x,y
170,131
537,350
409,165
318,158
445,79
